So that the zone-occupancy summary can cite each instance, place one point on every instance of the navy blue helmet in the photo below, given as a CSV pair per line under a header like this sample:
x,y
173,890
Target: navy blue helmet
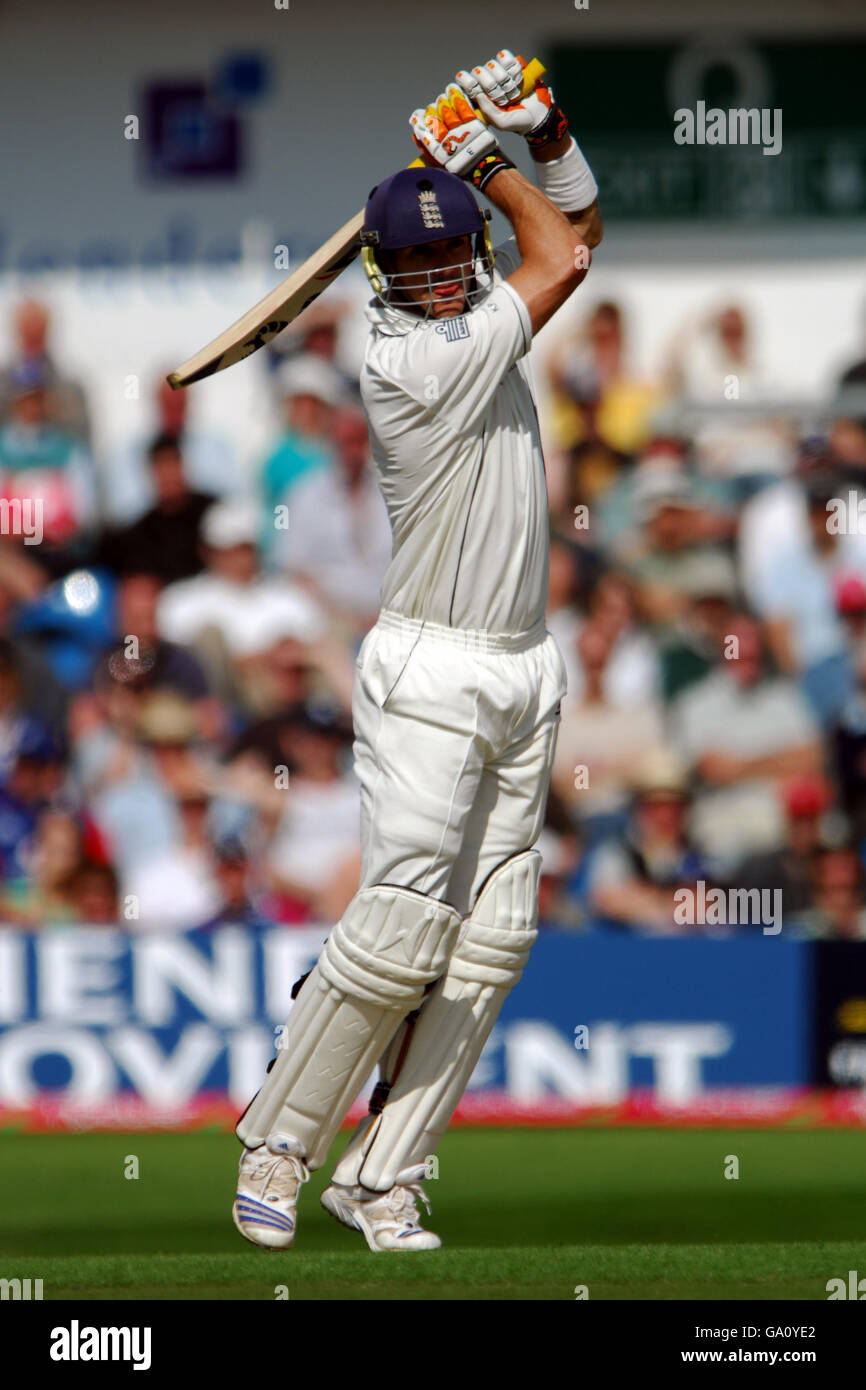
x,y
416,206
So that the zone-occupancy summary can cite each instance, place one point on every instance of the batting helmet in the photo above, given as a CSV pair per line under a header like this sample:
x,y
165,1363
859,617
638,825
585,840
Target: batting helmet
x,y
416,206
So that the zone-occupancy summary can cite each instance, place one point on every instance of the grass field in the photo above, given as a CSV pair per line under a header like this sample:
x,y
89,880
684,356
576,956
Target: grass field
x,y
523,1214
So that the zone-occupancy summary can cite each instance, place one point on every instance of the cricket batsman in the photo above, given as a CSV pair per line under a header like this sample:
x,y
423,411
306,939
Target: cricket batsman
x,y
457,686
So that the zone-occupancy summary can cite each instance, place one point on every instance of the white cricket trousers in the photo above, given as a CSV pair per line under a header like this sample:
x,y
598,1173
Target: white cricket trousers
x,y
455,732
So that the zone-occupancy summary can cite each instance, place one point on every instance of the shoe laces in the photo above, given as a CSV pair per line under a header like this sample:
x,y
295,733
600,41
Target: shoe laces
x,y
270,1171
401,1200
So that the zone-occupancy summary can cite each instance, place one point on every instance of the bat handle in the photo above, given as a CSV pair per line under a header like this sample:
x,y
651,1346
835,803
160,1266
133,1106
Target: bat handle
x,y
532,71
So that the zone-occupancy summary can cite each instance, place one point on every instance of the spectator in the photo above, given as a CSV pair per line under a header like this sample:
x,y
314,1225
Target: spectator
x,y
26,679
791,867
632,881
561,889
131,751
338,542
314,859
67,402
92,894
848,746
44,467
850,596
233,873
232,613
687,648
715,363
744,733
563,591
31,786
146,661
316,334
672,549
20,721
848,434
310,388
619,518
42,894
712,350
175,887
599,743
631,676
793,590
600,398
839,913
163,542
209,461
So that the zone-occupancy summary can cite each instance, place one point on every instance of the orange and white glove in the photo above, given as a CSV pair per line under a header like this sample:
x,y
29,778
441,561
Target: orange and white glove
x,y
496,88
449,132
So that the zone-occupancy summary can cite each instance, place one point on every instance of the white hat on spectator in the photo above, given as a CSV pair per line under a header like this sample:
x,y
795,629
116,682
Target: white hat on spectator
x,y
658,486
279,611
229,523
660,773
306,375
712,575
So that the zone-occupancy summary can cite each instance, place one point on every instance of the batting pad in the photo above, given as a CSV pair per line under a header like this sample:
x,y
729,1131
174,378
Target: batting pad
x,y
390,944
454,1025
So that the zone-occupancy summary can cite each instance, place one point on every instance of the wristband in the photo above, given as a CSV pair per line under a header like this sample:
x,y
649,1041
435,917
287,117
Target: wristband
x,y
553,127
487,166
568,181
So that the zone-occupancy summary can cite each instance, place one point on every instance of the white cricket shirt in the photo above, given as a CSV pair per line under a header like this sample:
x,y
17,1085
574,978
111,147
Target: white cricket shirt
x,y
455,440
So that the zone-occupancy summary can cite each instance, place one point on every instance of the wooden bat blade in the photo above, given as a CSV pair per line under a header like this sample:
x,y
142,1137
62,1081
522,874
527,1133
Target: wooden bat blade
x,y
277,310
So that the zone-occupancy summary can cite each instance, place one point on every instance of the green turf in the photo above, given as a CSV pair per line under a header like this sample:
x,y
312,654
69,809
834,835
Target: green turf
x,y
524,1214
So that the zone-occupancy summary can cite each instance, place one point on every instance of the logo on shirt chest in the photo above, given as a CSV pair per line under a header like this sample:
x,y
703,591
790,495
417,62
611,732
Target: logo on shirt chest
x,y
454,329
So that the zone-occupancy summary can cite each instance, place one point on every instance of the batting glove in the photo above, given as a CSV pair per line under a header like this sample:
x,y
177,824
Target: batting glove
x,y
451,135
496,88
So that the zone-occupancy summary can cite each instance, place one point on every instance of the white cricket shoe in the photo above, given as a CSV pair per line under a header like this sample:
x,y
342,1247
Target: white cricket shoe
x,y
388,1221
269,1180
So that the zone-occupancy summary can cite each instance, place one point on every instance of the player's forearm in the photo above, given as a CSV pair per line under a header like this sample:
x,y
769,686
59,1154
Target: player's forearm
x,y
567,180
554,259
545,237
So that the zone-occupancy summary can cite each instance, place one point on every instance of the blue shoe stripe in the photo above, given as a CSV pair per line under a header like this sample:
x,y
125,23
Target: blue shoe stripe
x,y
260,1221
277,1218
255,1202
247,1220
251,1208
255,1216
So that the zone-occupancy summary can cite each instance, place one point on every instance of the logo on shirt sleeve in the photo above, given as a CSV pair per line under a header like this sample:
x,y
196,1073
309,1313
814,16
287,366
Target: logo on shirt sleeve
x,y
454,329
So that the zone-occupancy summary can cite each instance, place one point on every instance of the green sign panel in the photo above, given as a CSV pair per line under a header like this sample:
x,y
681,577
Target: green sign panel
x,y
652,163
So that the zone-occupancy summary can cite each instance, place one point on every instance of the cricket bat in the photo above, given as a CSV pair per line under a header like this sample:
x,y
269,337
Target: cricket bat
x,y
282,305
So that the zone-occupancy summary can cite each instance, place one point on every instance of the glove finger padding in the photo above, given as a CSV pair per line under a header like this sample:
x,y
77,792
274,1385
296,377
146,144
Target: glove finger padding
x,y
496,87
451,134
503,87
513,67
461,104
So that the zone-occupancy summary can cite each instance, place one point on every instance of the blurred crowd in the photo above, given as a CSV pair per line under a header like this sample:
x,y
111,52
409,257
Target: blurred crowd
x,y
177,660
